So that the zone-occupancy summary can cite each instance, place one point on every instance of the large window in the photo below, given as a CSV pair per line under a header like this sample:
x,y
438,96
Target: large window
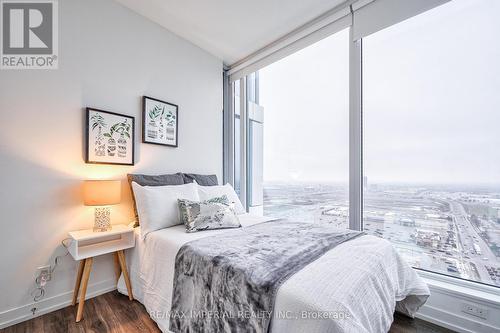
x,y
432,139
429,138
305,98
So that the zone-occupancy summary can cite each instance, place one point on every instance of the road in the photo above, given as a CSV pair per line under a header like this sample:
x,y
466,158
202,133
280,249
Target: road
x,y
468,236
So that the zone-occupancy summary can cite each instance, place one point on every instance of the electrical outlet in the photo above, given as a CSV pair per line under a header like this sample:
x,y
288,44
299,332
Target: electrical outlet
x,y
475,310
44,274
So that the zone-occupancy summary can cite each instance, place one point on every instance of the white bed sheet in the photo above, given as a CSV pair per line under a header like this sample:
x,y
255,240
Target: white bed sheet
x,y
353,287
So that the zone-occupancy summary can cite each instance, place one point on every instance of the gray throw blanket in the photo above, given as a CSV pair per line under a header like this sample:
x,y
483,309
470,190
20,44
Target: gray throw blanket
x,y
228,282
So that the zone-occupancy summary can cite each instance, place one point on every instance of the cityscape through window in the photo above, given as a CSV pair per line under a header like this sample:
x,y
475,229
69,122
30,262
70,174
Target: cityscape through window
x,y
306,133
431,175
431,139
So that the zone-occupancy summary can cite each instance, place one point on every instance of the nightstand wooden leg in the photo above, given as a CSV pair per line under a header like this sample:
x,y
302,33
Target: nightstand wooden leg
x,y
85,280
123,264
78,280
118,270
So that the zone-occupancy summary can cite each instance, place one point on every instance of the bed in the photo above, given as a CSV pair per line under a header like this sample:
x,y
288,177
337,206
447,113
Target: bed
x,y
354,287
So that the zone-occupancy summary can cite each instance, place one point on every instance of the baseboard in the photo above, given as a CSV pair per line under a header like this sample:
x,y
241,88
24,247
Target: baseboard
x,y
441,318
49,304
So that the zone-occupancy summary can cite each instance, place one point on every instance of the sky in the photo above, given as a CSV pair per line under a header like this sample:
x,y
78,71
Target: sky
x,y
431,105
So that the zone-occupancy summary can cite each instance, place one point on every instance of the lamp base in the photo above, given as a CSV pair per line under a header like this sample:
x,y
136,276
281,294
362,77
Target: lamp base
x,y
102,219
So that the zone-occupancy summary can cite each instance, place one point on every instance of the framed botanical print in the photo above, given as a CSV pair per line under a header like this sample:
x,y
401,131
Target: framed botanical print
x,y
160,122
109,138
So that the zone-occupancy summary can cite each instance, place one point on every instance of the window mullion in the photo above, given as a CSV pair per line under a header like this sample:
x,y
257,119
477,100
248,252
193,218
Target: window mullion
x,y
243,141
355,134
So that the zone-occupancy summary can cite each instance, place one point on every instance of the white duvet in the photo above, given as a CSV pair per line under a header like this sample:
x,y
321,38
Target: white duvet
x,y
352,288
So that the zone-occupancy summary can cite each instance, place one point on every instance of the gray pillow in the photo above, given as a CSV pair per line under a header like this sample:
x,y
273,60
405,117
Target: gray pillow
x,y
156,180
203,180
152,180
210,214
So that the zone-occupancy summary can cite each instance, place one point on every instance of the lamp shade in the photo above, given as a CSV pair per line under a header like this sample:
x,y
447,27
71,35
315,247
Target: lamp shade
x,y
101,192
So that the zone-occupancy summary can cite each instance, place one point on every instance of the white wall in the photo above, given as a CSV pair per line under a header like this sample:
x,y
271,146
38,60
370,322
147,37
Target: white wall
x,y
109,57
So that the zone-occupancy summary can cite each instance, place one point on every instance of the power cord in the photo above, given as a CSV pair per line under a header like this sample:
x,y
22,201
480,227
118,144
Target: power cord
x,y
39,291
58,258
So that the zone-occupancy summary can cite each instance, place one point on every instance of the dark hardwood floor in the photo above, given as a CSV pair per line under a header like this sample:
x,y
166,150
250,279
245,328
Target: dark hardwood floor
x,y
403,324
113,312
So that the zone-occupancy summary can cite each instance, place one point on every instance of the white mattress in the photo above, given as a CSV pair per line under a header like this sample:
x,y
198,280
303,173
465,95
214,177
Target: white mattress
x,y
353,288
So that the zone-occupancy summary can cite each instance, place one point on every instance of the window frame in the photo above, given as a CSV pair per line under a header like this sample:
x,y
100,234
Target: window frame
x,y
355,157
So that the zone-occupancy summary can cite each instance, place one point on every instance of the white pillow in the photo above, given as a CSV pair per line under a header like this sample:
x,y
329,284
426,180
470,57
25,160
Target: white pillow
x,y
157,206
210,192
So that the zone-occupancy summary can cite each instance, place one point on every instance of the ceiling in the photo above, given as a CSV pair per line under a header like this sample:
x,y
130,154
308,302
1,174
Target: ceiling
x,y
231,29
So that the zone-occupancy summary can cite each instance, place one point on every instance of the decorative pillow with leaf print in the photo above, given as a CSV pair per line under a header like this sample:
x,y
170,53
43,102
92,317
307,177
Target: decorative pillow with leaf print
x,y
215,213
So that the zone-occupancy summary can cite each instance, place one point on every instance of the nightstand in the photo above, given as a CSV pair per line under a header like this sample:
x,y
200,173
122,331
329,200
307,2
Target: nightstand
x,y
87,244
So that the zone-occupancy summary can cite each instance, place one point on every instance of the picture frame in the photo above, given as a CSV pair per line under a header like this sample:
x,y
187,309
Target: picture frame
x,y
160,122
109,137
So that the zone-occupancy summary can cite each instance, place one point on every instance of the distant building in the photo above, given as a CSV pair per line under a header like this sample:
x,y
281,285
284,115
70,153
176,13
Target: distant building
x,y
407,222
427,238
